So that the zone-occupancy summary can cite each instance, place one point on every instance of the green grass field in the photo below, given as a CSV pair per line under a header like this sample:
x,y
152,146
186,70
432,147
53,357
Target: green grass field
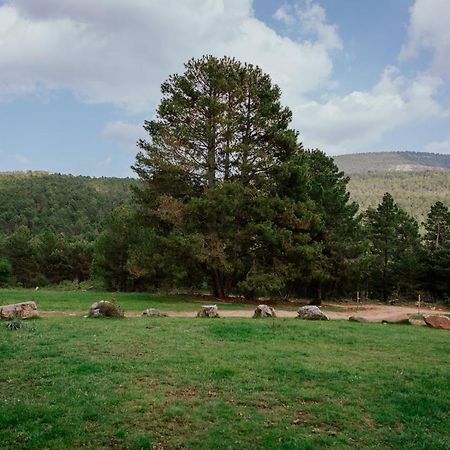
x,y
167,383
80,301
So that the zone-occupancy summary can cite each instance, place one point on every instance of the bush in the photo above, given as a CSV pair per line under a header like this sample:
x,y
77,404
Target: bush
x,y
14,324
5,272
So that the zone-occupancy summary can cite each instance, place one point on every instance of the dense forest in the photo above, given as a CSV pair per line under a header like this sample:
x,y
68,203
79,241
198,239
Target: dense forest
x,y
228,201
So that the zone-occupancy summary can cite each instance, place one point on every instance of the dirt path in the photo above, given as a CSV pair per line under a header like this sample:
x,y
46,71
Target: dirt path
x,y
373,312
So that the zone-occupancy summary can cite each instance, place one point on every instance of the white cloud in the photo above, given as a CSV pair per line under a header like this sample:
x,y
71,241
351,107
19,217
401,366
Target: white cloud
x,y
438,147
355,121
120,51
429,30
308,19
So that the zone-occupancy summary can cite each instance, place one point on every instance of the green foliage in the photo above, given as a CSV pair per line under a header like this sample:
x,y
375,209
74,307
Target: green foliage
x,y
229,193
6,271
48,224
415,192
14,324
394,247
436,252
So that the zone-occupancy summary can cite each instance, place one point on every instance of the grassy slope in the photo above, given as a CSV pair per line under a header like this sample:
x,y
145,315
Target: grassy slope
x,y
224,383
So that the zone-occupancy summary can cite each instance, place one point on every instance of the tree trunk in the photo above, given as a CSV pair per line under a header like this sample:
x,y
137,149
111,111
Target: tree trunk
x,y
218,288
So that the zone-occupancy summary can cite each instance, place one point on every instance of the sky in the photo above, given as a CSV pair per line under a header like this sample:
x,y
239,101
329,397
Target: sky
x,y
78,78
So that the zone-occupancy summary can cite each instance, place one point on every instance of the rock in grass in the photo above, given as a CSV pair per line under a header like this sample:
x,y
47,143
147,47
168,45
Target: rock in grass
x,y
357,319
397,318
23,310
105,308
208,311
417,319
311,312
442,322
152,312
264,311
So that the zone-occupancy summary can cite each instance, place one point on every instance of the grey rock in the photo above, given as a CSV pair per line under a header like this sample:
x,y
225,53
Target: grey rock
x,y
208,311
400,318
357,319
264,311
311,312
105,308
152,312
23,310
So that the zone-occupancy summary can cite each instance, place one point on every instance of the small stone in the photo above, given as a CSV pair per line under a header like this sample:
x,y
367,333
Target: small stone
x,y
397,318
442,322
152,312
357,319
264,311
208,311
417,319
311,312
23,310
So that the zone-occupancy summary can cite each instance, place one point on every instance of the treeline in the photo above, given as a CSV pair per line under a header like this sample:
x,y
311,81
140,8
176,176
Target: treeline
x,y
228,202
50,222
381,253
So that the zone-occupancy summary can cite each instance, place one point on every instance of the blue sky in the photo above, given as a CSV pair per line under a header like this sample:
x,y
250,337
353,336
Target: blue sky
x,y
78,78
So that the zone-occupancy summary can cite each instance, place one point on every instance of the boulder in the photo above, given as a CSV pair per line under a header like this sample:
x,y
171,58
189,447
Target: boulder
x,y
23,310
417,319
396,318
152,312
357,319
442,322
264,311
208,311
311,312
105,308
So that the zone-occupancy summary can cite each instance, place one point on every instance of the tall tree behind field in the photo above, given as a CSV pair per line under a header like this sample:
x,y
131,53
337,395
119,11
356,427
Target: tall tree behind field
x,y
219,132
394,244
340,233
437,251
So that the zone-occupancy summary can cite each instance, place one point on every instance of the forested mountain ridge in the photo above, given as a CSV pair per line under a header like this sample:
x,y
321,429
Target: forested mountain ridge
x,y
392,162
79,205
72,205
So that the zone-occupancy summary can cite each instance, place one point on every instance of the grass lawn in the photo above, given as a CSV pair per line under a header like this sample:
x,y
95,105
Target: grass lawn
x,y
80,301
70,382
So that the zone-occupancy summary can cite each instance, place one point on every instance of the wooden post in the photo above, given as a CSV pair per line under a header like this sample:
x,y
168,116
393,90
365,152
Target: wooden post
x,y
418,305
358,300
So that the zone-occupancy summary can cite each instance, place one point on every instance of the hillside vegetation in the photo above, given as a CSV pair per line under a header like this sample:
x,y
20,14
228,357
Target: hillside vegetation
x,y
392,162
415,192
72,205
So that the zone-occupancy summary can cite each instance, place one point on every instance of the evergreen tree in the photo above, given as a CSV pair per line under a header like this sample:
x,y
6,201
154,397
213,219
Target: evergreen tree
x,y
437,251
394,244
112,248
220,131
20,250
339,233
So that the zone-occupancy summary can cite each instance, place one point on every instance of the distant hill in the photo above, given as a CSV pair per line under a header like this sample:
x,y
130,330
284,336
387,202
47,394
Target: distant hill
x,y
416,180
392,162
72,205
79,206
